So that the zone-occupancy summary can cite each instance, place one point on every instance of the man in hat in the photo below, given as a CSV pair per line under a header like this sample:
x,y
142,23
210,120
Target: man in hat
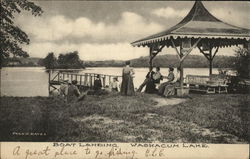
x,y
63,90
73,92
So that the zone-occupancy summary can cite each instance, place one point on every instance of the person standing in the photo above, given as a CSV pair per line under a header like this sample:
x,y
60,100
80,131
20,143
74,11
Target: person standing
x,y
97,83
147,80
170,78
127,86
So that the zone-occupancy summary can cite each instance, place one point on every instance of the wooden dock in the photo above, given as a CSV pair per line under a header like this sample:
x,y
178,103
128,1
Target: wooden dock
x,y
84,80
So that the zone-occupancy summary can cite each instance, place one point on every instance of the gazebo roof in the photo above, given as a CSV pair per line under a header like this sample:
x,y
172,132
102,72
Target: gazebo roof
x,y
199,23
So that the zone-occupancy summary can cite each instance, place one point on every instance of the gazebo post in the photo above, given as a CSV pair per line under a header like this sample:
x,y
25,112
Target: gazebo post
x,y
182,57
210,62
150,57
181,68
153,51
210,56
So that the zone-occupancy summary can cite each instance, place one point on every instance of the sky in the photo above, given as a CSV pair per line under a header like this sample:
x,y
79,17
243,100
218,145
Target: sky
x,y
103,30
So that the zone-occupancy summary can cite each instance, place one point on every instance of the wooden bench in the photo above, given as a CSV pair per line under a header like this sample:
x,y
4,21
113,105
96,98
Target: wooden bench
x,y
208,84
221,82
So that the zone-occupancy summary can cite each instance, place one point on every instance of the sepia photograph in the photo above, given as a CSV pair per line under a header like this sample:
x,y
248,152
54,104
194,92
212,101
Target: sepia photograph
x,y
125,71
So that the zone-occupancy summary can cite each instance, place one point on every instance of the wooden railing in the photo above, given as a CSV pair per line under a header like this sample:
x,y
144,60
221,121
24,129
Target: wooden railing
x,y
83,79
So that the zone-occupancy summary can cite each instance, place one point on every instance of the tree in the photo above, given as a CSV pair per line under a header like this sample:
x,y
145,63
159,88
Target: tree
x,y
50,61
242,62
11,36
70,60
40,62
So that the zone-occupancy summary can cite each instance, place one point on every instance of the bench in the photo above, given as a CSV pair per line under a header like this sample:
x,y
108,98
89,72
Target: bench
x,y
220,81
208,84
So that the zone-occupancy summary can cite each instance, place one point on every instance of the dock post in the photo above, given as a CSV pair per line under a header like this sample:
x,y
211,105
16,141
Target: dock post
x,y
109,80
89,77
80,80
58,78
49,81
91,83
104,81
85,80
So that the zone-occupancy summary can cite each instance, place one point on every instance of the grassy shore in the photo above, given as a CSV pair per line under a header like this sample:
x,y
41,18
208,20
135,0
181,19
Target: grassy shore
x,y
141,118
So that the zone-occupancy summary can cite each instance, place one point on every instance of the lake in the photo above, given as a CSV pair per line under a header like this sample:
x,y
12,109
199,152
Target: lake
x,y
33,81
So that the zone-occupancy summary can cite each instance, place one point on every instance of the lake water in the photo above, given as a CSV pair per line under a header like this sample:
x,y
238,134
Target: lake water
x,y
33,81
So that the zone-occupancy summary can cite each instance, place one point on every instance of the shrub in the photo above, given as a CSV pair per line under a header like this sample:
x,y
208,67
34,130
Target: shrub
x,y
242,62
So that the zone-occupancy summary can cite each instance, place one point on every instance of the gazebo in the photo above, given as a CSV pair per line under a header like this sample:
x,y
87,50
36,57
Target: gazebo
x,y
198,29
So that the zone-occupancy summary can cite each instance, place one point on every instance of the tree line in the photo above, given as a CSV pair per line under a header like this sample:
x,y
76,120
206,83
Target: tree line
x,y
192,61
69,60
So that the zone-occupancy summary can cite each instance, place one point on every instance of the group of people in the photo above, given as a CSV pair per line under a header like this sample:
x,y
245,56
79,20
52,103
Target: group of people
x,y
70,92
97,88
153,79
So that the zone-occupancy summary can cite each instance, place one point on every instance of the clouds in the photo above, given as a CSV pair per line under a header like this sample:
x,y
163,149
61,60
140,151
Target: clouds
x,y
127,28
232,16
104,31
93,40
169,12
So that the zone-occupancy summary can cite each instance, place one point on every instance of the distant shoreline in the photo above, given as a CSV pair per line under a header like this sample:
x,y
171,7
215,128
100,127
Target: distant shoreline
x,y
164,61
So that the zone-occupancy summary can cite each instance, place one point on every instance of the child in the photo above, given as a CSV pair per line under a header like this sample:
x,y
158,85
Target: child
x,y
115,86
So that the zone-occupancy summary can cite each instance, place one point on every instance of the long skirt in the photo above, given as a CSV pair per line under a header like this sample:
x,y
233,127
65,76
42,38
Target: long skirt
x,y
150,87
127,86
169,90
162,87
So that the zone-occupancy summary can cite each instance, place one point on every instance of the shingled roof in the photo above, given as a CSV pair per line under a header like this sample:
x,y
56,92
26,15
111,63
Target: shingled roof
x,y
199,23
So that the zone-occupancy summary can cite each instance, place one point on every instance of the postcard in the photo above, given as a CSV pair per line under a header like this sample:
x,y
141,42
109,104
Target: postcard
x,y
124,79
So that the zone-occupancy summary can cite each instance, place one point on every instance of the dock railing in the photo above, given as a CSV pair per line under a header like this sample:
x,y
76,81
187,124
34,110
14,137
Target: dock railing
x,y
85,80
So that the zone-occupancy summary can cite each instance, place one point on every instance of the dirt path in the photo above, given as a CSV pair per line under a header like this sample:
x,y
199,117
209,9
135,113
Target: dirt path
x,y
167,101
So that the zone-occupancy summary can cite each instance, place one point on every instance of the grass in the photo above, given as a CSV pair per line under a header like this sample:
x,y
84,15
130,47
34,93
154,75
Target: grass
x,y
201,118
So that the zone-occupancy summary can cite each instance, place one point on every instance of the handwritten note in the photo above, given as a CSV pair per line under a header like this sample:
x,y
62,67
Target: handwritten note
x,y
60,150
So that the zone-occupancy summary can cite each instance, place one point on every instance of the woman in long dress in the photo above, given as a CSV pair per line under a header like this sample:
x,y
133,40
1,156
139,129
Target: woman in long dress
x,y
127,86
170,89
151,87
170,78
